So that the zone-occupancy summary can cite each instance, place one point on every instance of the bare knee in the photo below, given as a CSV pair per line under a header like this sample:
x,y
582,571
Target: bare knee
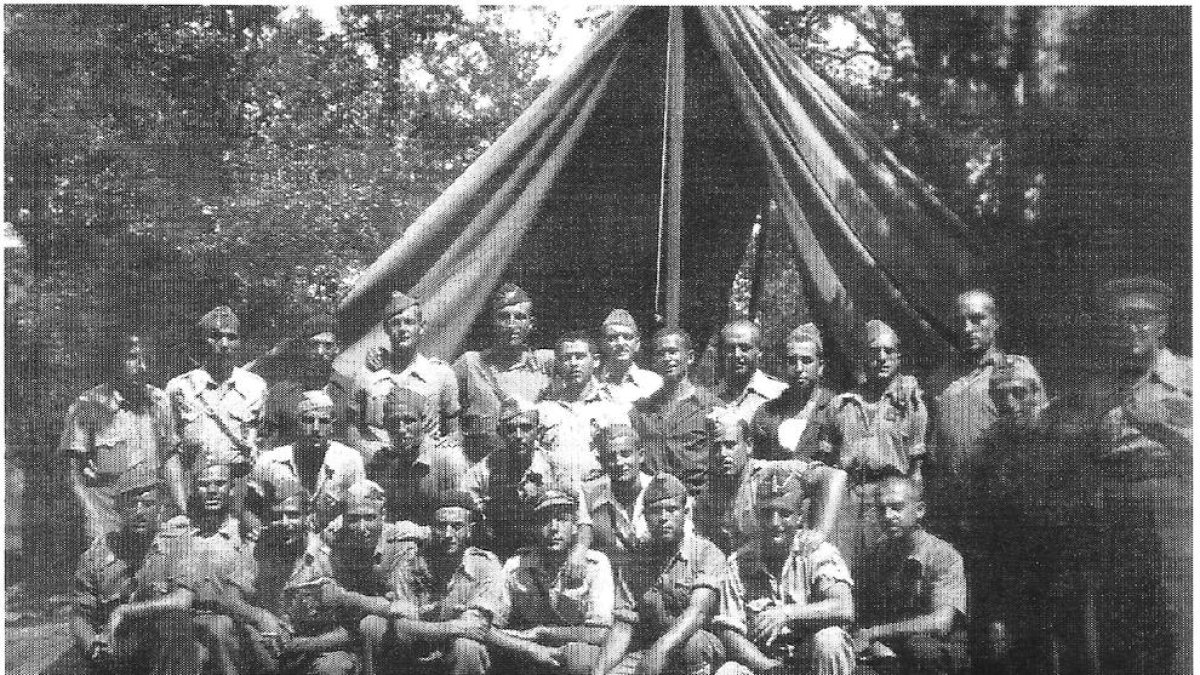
x,y
468,657
333,663
703,652
373,629
829,642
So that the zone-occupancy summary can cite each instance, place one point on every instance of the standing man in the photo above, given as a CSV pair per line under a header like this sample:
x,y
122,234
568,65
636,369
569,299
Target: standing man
x,y
1143,563
873,432
743,386
114,427
726,510
671,422
309,369
912,600
620,375
217,408
666,595
403,364
510,368
786,602
788,427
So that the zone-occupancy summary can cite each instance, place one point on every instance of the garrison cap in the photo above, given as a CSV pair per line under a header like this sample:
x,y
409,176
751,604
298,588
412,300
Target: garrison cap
x,y
1151,293
396,304
779,492
365,492
1011,369
557,496
620,317
219,318
400,398
318,324
316,399
508,294
137,478
877,329
457,499
807,332
664,486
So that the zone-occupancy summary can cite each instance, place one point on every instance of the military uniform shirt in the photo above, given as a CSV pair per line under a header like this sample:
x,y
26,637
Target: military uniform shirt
x,y
100,423
220,561
760,389
279,425
896,587
103,580
428,376
786,428
481,381
280,586
413,486
568,426
636,384
478,584
654,591
1164,394
540,596
341,467
238,401
860,438
674,434
729,520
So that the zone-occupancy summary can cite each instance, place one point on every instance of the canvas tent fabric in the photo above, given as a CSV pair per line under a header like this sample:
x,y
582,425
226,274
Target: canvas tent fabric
x,y
567,202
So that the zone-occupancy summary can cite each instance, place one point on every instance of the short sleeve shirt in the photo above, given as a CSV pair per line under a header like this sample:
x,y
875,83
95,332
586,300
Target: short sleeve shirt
x,y
896,586
730,520
412,485
103,580
478,584
279,425
341,468
750,587
117,436
636,384
430,377
220,561
1163,395
541,596
674,434
238,402
873,439
481,380
284,586
568,427
650,583
788,428
760,389
379,573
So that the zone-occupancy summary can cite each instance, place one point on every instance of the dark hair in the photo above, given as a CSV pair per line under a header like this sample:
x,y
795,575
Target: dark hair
x,y
578,336
683,336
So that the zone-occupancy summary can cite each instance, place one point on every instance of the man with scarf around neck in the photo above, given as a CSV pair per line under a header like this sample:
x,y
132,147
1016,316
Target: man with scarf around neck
x,y
726,511
309,367
132,597
620,375
118,425
786,602
666,595
788,427
873,432
743,386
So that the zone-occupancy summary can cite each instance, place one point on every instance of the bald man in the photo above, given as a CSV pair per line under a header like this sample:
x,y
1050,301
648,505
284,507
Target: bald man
x,y
743,385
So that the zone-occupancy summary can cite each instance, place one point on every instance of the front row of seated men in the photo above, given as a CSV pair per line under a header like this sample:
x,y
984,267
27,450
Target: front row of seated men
x,y
361,592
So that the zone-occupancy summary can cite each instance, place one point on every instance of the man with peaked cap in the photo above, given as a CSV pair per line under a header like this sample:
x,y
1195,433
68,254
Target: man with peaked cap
x,y
324,468
1142,412
873,432
118,425
726,511
132,594
403,364
510,368
786,603
620,375
310,368
788,427
666,595
555,624
413,468
743,385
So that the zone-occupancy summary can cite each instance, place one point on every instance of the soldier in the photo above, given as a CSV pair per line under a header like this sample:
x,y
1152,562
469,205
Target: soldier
x,y
873,432
666,595
323,467
616,503
510,368
786,602
671,421
131,600
555,624
574,406
412,467
743,386
1143,558
912,594
403,364
620,375
788,427
217,408
308,370
113,427
726,509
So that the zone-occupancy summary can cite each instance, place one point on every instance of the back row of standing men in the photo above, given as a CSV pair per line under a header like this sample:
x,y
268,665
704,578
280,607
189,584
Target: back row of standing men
x,y
610,447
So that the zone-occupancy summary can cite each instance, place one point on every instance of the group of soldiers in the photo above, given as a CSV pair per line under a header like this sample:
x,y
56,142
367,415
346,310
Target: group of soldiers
x,y
568,510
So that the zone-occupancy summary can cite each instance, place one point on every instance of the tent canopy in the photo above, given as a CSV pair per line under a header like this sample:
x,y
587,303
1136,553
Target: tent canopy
x,y
685,121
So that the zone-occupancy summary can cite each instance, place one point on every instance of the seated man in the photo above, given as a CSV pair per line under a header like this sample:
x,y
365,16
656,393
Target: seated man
x,y
666,595
785,602
132,599
558,624
912,600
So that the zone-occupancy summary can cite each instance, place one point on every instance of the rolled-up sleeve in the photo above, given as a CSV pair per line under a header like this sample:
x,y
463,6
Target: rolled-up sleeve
x,y
602,597
731,607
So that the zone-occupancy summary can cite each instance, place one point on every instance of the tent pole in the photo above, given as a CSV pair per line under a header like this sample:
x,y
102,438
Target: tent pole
x,y
674,183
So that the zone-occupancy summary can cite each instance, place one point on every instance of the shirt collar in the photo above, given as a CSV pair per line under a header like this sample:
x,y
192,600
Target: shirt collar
x,y
1167,370
204,379
229,530
526,360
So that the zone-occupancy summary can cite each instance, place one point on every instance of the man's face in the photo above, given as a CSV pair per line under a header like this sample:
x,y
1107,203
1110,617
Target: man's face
x,y
1136,326
558,528
405,329
512,324
804,365
1013,398
316,425
622,462
576,362
977,323
621,343
213,486
665,519
519,433
732,453
223,344
777,525
404,428
883,357
740,350
671,358
451,531
899,513
362,525
323,348
139,512
287,522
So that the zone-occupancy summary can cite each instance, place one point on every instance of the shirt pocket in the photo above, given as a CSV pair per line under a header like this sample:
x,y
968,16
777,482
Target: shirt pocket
x,y
111,454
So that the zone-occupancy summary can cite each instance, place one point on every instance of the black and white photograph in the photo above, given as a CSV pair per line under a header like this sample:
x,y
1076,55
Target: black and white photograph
x,y
417,339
